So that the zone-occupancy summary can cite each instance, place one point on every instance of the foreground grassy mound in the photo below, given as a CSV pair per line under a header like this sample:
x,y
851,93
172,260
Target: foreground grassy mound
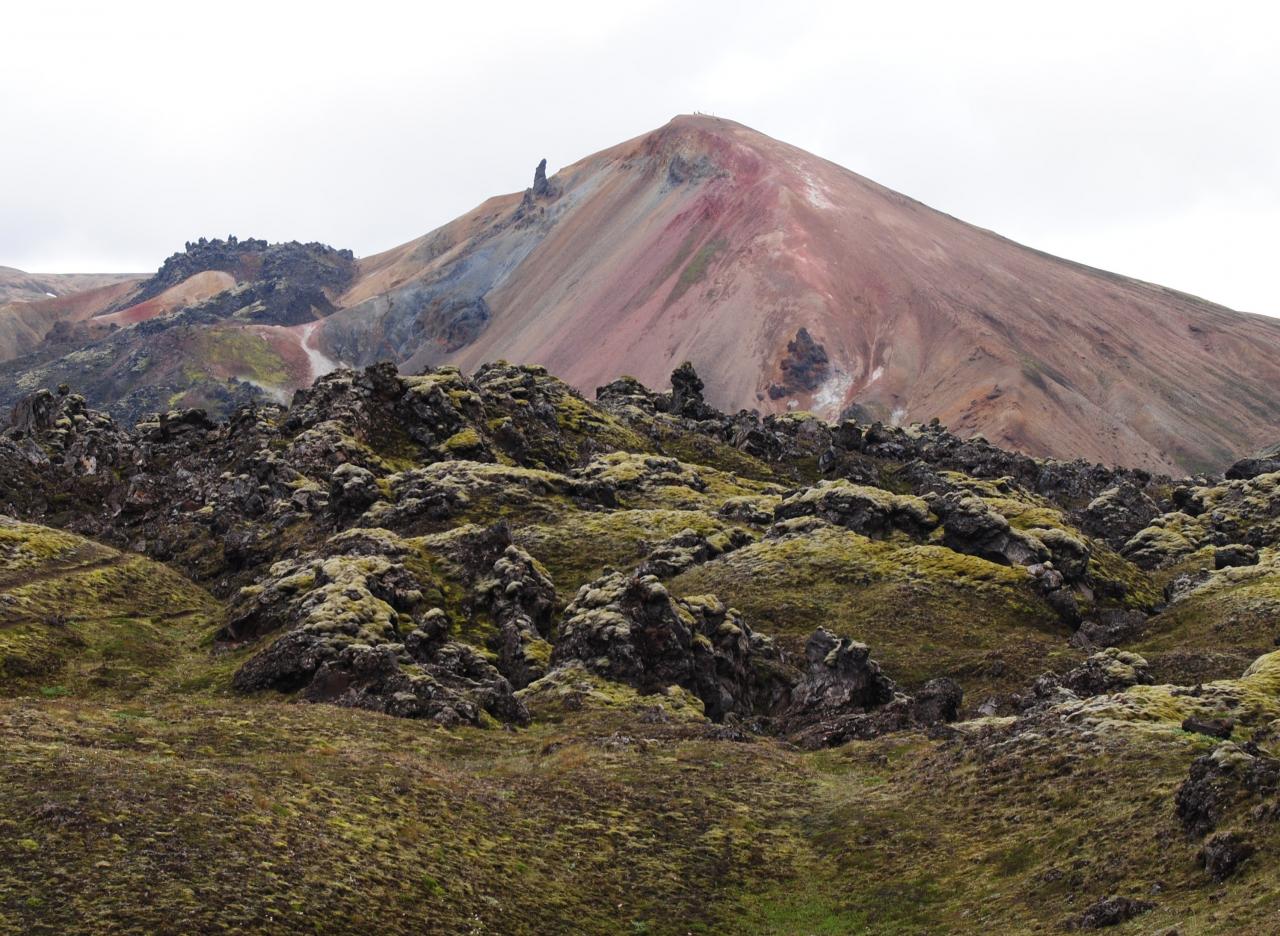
x,y
1219,626
232,816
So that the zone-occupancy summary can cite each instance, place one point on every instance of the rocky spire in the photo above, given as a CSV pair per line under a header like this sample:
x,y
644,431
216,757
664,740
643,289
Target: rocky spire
x,y
541,186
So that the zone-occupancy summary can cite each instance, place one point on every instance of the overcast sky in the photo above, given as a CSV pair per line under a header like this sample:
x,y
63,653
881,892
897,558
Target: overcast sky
x,y
1142,138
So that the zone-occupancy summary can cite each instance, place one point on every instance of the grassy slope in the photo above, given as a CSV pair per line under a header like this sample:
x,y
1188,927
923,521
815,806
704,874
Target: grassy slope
x,y
76,615
926,610
209,815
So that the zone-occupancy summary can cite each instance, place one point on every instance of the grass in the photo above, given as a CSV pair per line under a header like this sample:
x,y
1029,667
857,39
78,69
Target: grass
x,y
925,611
207,815
696,269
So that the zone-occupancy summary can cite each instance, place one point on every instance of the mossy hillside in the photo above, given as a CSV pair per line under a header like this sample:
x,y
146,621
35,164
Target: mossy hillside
x,y
656,482
1220,627
384,455
297,818
881,837
1014,835
697,449
574,688
580,544
1251,700
77,617
25,547
206,816
927,611
239,352
913,510
164,802
583,423
562,437
1240,506
463,492
1192,565
345,598
1119,581
1168,538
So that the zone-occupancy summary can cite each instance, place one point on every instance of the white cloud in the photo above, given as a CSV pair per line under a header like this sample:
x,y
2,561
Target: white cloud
x,y
1139,137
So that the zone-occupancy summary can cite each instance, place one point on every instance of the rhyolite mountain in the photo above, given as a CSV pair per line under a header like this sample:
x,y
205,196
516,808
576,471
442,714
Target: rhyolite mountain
x,y
32,305
791,282
788,281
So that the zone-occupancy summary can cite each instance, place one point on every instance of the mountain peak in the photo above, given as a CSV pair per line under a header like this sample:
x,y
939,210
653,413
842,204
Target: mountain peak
x,y
791,282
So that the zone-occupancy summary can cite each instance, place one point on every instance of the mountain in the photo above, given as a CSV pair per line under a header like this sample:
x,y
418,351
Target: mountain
x,y
451,653
33,305
17,286
221,323
788,281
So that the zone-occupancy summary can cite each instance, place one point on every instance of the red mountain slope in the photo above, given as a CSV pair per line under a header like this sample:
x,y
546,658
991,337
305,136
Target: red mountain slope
x,y
708,241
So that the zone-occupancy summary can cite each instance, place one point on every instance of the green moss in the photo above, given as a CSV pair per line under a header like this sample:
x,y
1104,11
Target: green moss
x,y
925,611
582,421
614,808
24,546
1108,572
538,652
92,617
1169,537
698,449
696,268
463,442
241,353
479,493
654,482
574,688
1218,629
577,548
1251,700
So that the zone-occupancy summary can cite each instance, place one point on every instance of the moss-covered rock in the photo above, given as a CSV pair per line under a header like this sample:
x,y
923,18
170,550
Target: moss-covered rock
x,y
631,629
928,611
866,510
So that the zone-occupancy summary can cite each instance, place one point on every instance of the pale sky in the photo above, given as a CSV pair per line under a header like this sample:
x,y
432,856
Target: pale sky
x,y
1142,138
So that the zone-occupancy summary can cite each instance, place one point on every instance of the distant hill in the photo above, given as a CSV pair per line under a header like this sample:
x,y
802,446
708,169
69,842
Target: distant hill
x,y
16,285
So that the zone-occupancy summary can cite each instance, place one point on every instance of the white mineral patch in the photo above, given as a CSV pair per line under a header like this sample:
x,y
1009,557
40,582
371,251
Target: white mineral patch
x,y
321,363
830,396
